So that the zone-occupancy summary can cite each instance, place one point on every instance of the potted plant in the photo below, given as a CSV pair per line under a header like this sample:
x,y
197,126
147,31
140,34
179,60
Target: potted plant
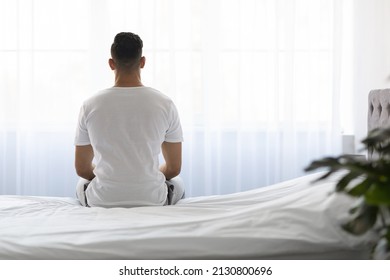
x,y
367,179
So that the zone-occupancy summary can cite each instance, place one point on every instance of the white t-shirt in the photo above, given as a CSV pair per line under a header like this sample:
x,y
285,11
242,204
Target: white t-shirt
x,y
126,127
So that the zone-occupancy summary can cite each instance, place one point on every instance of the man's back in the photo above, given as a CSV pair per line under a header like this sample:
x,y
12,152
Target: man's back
x,y
126,127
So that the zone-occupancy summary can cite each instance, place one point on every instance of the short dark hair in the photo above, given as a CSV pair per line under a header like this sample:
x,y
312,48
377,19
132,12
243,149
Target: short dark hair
x,y
126,50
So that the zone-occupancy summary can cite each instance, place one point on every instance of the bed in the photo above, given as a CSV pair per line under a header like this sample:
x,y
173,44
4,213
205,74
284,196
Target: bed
x,y
295,219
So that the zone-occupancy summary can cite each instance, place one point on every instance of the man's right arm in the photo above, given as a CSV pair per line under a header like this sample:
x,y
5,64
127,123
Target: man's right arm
x,y
83,162
172,155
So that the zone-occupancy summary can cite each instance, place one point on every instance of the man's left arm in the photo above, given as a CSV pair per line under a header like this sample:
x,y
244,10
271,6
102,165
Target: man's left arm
x,y
83,162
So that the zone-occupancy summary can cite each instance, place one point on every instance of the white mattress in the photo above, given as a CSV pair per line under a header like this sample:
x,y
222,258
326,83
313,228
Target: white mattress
x,y
290,220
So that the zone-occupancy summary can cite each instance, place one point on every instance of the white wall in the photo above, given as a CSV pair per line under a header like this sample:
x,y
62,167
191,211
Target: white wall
x,y
371,57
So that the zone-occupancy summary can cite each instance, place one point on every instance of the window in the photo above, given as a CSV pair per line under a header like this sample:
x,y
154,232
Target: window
x,y
255,81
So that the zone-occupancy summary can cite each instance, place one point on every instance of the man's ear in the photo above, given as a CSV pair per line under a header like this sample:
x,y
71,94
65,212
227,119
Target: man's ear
x,y
111,62
142,62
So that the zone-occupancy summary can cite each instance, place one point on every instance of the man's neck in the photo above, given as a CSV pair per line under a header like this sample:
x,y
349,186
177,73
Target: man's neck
x,y
127,80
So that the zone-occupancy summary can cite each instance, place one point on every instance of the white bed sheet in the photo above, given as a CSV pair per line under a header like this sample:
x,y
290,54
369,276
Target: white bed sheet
x,y
290,220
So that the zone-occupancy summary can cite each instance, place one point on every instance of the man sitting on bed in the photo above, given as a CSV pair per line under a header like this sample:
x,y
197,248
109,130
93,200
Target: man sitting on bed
x,y
120,134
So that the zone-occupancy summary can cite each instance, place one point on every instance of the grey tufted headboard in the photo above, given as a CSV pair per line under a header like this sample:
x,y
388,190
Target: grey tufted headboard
x,y
378,108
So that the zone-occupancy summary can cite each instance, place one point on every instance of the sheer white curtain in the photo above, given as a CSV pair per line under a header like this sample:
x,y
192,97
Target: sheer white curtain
x,y
256,82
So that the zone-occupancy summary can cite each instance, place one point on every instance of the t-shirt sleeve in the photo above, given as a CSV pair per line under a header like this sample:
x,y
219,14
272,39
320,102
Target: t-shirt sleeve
x,y
174,133
82,136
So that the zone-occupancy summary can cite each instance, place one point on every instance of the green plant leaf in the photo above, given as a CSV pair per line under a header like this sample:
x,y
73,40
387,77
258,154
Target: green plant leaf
x,y
323,177
361,188
364,221
377,136
329,162
378,194
387,236
344,182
